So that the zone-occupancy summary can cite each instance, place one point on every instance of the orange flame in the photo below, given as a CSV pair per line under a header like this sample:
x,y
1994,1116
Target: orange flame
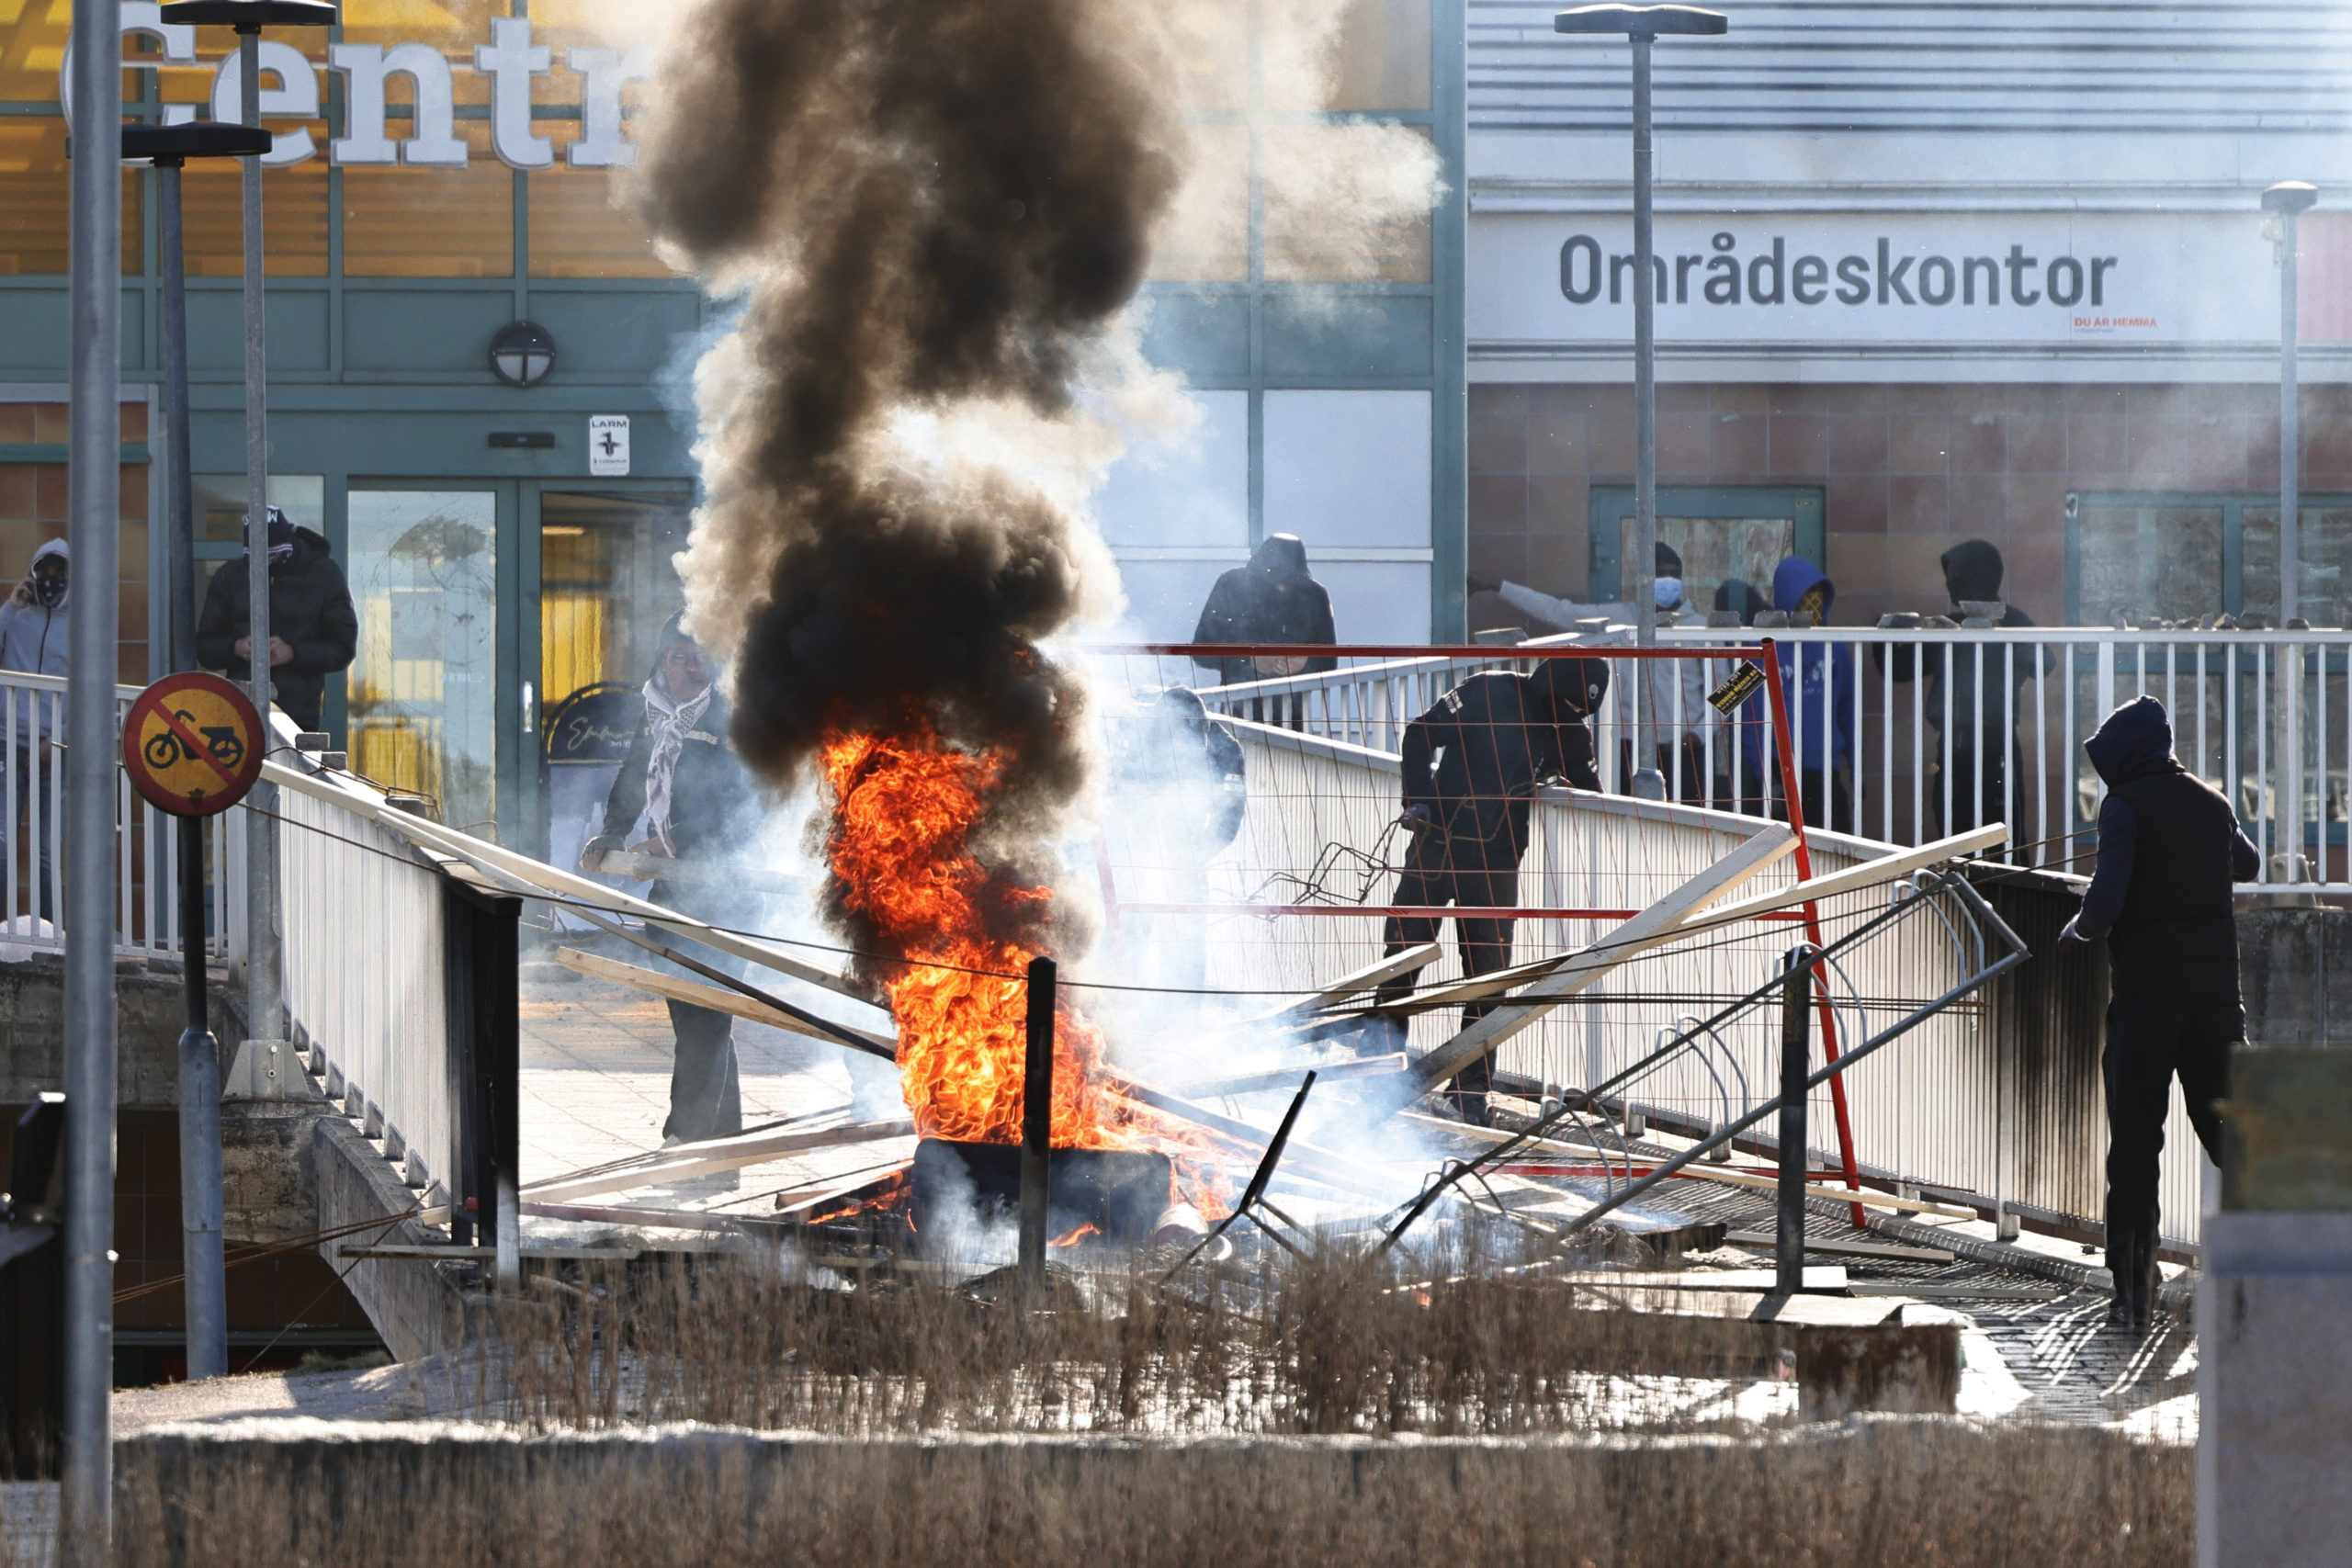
x,y
905,807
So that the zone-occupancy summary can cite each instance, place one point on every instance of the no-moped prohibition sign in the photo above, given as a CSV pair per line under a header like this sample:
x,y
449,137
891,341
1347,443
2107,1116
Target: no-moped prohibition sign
x,y
192,744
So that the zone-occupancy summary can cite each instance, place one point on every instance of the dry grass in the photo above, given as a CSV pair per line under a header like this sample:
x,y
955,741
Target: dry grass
x,y
1468,1414
1330,1343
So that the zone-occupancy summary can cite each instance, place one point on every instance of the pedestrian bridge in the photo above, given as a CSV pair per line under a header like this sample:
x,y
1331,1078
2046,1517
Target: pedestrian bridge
x,y
483,1075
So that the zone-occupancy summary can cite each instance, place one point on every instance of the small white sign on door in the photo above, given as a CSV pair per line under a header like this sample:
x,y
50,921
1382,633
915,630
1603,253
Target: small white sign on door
x,y
608,446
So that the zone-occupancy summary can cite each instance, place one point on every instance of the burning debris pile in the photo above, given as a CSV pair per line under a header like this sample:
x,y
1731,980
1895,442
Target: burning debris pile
x,y
933,212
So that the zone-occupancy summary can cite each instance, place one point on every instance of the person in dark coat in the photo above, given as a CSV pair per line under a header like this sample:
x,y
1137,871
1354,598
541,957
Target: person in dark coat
x,y
313,630
1471,767
1271,599
2170,851
685,784
1981,766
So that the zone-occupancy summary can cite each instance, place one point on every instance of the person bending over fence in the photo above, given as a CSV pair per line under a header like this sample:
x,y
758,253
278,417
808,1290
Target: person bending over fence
x,y
1471,767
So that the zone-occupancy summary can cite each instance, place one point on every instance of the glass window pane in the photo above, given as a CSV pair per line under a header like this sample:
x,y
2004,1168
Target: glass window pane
x,y
1346,203
2326,590
1715,550
293,219
220,504
423,572
576,231
431,222
1379,58
607,583
1204,238
2156,561
32,48
33,198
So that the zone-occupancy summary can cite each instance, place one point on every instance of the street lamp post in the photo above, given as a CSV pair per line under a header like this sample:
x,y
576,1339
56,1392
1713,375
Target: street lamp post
x,y
1643,25
93,480
260,1070
2286,201
203,1282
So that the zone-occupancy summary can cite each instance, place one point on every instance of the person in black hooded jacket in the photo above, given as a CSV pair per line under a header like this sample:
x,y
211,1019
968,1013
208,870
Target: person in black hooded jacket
x,y
1470,766
1985,755
2170,851
313,630
1273,599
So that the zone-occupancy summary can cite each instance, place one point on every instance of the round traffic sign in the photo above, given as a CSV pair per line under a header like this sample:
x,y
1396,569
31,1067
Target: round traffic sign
x,y
192,744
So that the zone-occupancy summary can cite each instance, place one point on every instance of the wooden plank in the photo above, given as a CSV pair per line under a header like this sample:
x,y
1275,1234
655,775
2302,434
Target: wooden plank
x,y
1835,1247
1652,928
1818,1276
1857,878
1363,979
681,1162
1288,1077
679,990
547,879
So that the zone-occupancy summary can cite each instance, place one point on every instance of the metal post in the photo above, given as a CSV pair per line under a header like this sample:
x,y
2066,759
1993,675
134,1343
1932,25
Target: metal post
x,y
261,1071
1788,1233
1645,576
94,507
2290,515
204,1286
1037,1125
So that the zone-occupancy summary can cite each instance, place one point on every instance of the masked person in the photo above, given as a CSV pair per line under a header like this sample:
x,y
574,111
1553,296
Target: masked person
x,y
1675,718
313,630
1471,767
683,782
2170,854
1273,599
33,626
1817,681
1981,733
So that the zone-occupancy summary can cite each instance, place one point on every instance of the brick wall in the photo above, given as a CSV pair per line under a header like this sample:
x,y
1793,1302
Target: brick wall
x,y
1907,470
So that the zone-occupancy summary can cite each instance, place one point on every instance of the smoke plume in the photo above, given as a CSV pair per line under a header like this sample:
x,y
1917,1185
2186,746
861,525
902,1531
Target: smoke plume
x,y
926,207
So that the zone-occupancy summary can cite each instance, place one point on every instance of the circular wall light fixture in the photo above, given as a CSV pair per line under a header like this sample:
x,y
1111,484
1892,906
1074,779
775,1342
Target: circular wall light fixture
x,y
522,354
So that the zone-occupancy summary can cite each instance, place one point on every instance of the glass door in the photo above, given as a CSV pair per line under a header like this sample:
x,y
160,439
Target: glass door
x,y
435,683
607,580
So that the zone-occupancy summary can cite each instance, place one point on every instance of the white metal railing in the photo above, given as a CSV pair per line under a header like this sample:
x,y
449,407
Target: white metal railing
x,y
32,836
365,970
1943,1107
1912,752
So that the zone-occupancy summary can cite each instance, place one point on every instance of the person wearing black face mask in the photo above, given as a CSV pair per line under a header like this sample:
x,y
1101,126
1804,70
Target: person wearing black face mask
x,y
314,631
1470,766
32,639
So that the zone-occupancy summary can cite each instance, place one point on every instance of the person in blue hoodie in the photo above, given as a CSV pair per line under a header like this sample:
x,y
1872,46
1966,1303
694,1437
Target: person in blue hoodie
x,y
2170,854
1819,682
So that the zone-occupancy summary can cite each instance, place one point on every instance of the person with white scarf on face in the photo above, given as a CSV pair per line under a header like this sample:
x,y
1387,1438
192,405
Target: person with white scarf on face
x,y
682,781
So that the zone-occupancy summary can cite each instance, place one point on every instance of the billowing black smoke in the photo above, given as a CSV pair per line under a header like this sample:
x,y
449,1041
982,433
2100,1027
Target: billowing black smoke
x,y
932,202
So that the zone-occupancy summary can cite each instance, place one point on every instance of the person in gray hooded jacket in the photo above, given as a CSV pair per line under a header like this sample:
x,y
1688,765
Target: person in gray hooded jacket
x,y
32,641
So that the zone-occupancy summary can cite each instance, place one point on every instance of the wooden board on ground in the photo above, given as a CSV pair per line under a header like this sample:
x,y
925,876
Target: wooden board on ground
x,y
677,988
1839,1247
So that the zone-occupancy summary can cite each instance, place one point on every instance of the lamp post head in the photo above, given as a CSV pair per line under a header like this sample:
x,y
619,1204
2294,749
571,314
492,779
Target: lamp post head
x,y
1642,21
252,15
2289,196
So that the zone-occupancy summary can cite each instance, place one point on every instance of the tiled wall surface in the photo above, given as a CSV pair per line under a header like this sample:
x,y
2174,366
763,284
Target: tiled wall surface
x,y
1907,470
